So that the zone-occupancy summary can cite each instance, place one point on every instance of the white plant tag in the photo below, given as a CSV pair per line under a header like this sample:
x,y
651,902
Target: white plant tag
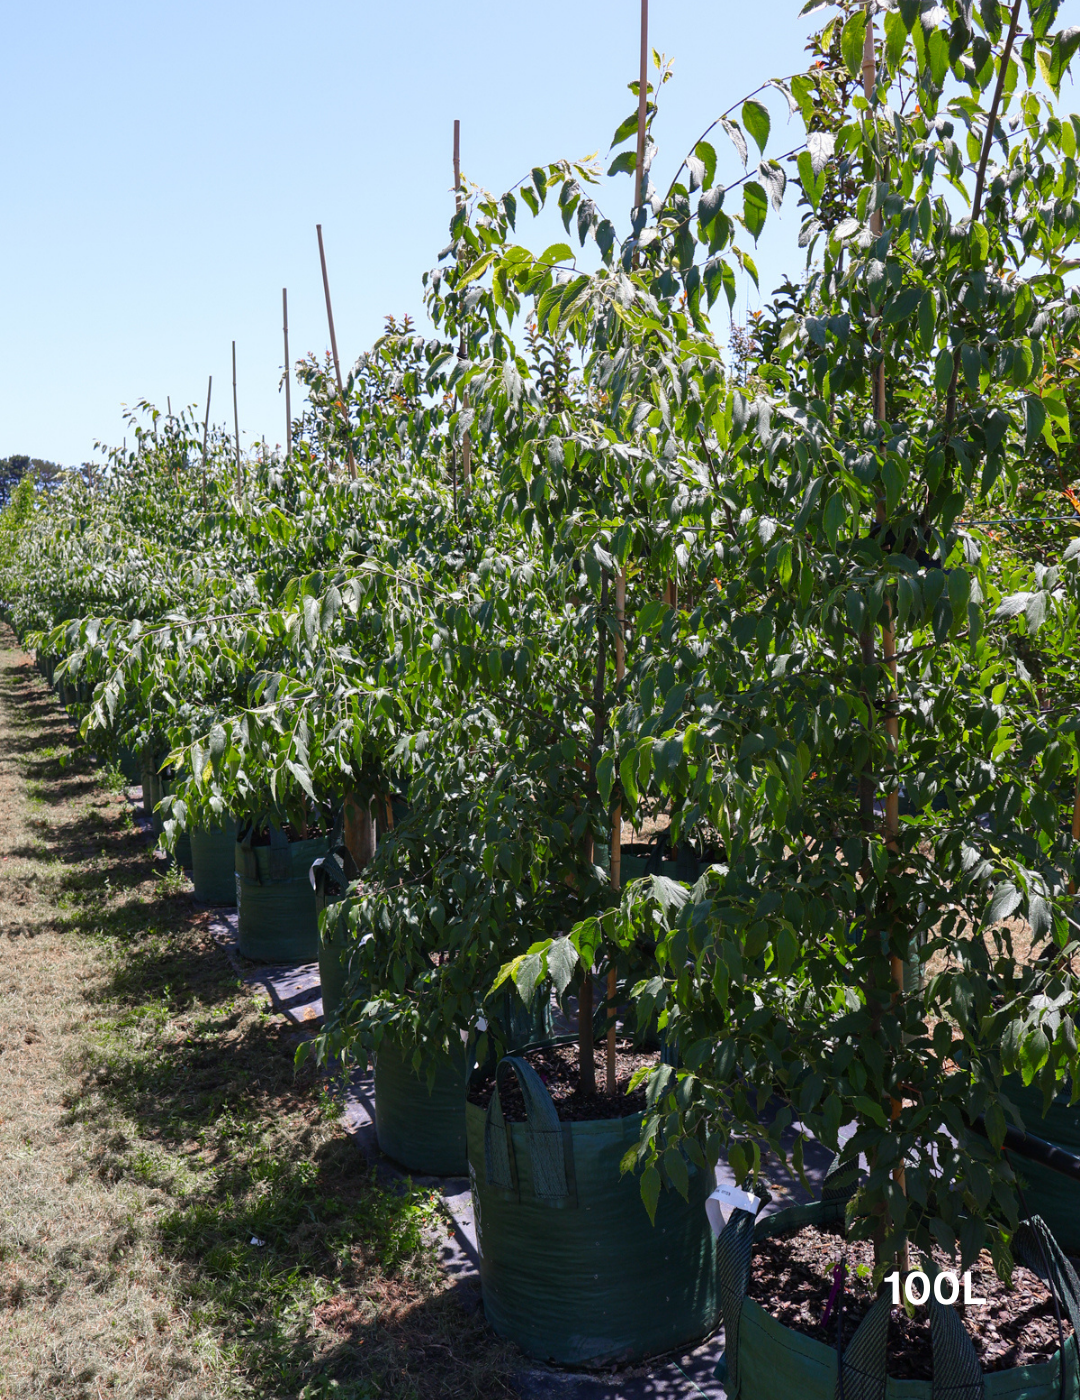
x,y
724,1200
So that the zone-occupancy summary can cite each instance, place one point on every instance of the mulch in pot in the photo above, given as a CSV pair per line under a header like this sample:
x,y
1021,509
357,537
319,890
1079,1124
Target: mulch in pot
x,y
557,1066
792,1278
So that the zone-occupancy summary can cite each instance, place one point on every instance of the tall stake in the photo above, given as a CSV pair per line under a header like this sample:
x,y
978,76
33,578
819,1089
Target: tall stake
x,y
288,393
236,426
888,635
642,105
333,343
611,1074
205,430
466,441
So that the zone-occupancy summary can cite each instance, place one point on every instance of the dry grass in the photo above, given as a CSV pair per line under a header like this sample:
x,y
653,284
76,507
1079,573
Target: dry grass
x,y
151,1124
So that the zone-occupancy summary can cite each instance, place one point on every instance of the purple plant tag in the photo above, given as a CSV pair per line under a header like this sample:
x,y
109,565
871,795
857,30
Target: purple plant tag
x,y
837,1284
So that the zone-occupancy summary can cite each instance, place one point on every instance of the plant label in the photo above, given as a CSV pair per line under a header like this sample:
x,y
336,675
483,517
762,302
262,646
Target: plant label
x,y
946,1288
724,1200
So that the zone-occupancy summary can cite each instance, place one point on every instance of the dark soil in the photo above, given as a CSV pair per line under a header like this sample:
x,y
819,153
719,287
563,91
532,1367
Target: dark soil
x,y
557,1066
314,831
793,1275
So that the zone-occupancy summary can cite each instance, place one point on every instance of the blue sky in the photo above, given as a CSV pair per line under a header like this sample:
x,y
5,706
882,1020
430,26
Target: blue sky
x,y
166,165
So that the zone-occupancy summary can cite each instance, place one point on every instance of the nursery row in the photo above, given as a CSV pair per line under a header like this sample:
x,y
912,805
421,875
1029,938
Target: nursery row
x,y
717,705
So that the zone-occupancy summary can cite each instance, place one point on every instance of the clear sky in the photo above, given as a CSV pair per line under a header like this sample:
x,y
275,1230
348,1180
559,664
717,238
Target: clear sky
x,y
165,166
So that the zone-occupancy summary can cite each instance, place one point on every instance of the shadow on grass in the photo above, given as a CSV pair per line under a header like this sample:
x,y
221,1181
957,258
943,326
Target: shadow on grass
x,y
314,1279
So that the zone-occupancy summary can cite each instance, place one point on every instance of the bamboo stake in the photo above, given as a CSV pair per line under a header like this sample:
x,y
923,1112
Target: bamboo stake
x,y
616,831
642,106
333,343
466,441
236,425
205,429
888,635
288,393
1075,828
611,1067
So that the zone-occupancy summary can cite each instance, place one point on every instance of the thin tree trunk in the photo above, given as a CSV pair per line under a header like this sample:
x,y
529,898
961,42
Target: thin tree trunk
x,y
359,831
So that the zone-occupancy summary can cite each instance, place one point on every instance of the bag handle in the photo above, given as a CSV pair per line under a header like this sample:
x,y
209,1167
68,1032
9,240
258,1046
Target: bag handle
x,y
543,1133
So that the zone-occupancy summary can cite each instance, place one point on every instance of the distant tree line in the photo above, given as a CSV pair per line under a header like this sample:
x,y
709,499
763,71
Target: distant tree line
x,y
14,468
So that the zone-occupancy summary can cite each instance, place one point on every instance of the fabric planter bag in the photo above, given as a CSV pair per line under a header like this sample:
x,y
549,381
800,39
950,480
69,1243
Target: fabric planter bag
x,y
128,763
421,1129
213,863
572,1269
1047,1193
155,787
764,1360
277,921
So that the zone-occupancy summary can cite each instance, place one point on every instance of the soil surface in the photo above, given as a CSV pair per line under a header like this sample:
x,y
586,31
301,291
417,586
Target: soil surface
x,y
557,1066
793,1277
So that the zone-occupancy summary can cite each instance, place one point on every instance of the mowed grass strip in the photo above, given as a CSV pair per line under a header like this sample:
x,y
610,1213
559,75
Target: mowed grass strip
x,y
181,1214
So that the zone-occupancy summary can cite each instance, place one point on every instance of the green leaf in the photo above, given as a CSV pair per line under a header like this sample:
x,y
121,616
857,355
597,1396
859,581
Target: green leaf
x,y
894,480
756,119
943,372
813,183
851,42
978,245
675,1166
650,1190
738,140
901,307
562,961
869,1109
895,38
1005,902
755,208
835,516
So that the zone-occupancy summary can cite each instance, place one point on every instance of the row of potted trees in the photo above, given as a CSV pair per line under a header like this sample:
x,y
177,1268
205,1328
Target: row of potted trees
x,y
591,583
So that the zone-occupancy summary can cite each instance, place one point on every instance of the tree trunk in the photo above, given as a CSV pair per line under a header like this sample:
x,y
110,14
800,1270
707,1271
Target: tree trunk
x,y
359,831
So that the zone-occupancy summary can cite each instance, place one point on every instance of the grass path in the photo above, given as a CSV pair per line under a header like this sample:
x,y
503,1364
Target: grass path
x,y
152,1125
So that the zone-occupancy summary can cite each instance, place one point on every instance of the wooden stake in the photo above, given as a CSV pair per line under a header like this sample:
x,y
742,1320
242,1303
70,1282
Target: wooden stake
x,y
236,425
466,441
288,394
642,106
616,831
333,344
205,429
888,635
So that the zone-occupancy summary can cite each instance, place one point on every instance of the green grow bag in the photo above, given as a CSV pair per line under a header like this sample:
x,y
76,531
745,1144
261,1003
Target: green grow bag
x,y
1047,1193
764,1360
423,1130
128,762
278,922
572,1270
213,863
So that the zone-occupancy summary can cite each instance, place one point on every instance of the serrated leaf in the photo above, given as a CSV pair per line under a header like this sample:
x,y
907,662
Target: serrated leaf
x,y
650,1190
738,140
851,43
756,119
774,180
755,208
820,146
